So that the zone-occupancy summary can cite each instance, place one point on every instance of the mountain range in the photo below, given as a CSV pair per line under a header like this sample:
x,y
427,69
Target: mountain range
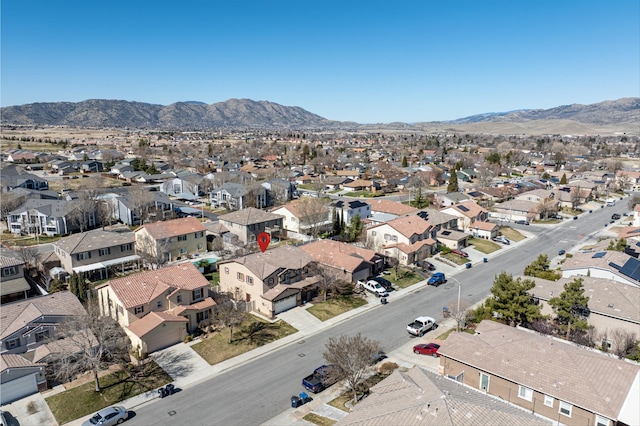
x,y
608,117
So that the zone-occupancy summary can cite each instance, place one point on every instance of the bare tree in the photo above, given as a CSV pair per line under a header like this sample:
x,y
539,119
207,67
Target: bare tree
x,y
140,200
230,314
84,211
458,310
90,342
154,253
30,256
622,341
575,196
10,201
546,207
313,215
352,358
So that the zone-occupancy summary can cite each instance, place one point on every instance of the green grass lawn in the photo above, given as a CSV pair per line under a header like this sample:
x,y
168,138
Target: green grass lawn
x,y
213,277
404,278
253,333
511,234
319,420
484,246
82,400
458,260
334,307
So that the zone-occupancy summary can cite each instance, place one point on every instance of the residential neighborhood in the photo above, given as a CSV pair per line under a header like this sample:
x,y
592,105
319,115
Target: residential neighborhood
x,y
242,238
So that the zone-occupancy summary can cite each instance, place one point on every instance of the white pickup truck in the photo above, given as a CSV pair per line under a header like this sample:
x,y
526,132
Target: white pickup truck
x,y
373,287
421,325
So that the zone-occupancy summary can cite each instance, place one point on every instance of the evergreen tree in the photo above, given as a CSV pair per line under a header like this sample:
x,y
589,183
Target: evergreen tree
x,y
355,228
453,182
511,301
563,179
336,223
570,307
404,161
539,268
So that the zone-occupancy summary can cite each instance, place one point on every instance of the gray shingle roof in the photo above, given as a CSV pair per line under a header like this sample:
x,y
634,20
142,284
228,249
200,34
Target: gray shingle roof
x,y
249,216
93,240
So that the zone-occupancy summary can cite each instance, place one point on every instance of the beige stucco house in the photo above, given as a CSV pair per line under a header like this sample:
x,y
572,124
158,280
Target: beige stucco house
x,y
408,239
273,281
171,240
170,292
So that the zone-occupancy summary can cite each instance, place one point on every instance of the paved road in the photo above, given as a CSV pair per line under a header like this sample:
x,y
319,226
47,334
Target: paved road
x,y
259,390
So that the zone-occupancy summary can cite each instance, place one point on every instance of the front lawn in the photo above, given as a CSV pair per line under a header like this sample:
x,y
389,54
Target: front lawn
x,y
484,246
511,234
404,278
457,259
253,333
336,306
82,400
318,420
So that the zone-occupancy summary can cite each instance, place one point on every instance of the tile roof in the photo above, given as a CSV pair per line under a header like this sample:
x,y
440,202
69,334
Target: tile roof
x,y
93,240
338,254
580,376
264,264
410,225
19,314
249,216
606,297
173,228
151,321
393,207
591,259
469,208
421,398
15,361
198,306
140,288
436,217
484,226
9,257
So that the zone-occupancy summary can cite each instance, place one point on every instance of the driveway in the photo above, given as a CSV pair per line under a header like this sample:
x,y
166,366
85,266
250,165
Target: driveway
x,y
183,364
30,411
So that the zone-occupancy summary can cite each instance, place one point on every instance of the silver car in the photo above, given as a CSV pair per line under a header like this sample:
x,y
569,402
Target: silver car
x,y
108,416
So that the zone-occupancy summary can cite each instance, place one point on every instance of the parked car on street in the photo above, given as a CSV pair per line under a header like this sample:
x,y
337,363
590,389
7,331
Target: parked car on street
x,y
108,416
427,349
522,222
615,216
436,279
421,325
561,252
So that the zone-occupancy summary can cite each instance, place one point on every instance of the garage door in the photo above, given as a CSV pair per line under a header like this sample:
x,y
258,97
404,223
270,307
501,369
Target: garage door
x,y
18,388
284,304
164,339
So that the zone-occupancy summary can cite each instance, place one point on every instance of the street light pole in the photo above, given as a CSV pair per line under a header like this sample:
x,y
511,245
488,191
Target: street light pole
x,y
457,315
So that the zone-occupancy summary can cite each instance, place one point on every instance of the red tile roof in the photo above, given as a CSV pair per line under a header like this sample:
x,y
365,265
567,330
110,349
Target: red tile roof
x,y
173,228
151,321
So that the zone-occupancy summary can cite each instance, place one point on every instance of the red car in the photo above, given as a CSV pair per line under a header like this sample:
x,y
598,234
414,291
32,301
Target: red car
x,y
427,349
460,253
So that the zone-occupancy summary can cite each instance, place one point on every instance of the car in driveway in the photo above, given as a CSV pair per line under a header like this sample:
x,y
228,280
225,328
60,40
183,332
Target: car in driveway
x,y
427,266
373,287
460,253
109,416
502,239
427,349
384,283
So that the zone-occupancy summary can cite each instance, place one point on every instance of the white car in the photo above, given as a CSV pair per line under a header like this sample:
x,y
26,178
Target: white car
x,y
421,325
374,287
108,416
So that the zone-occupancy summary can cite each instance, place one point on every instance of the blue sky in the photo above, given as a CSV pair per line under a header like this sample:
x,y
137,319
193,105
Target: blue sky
x,y
365,61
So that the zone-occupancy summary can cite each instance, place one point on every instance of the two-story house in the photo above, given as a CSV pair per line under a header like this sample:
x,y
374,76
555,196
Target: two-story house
x,y
171,240
236,196
304,217
97,254
247,223
383,210
12,177
14,284
48,217
553,378
468,212
347,210
408,239
345,262
158,308
273,281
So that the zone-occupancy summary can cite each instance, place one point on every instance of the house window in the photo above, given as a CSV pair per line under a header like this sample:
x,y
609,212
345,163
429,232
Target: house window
x,y
179,298
199,246
565,408
182,238
120,310
270,281
525,393
183,250
226,270
548,401
159,304
126,247
606,344
13,343
240,276
602,421
373,233
41,335
199,234
197,294
104,251
484,382
201,316
249,280
9,271
138,310
83,256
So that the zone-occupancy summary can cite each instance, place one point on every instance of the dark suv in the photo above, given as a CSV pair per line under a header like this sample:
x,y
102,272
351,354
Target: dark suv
x,y
427,266
615,216
384,283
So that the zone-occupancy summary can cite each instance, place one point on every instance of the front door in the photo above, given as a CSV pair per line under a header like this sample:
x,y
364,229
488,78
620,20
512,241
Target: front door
x,y
484,382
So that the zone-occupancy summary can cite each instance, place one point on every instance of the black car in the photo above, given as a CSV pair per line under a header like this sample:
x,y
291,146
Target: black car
x,y
615,216
427,266
384,283
522,222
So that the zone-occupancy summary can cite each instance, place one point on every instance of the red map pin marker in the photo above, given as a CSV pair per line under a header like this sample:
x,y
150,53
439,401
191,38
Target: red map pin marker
x,y
263,240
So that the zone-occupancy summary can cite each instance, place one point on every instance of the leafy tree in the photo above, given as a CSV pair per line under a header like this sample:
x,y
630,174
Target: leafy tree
x,y
78,286
453,182
493,158
511,302
539,268
617,245
352,358
355,228
570,307
563,179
